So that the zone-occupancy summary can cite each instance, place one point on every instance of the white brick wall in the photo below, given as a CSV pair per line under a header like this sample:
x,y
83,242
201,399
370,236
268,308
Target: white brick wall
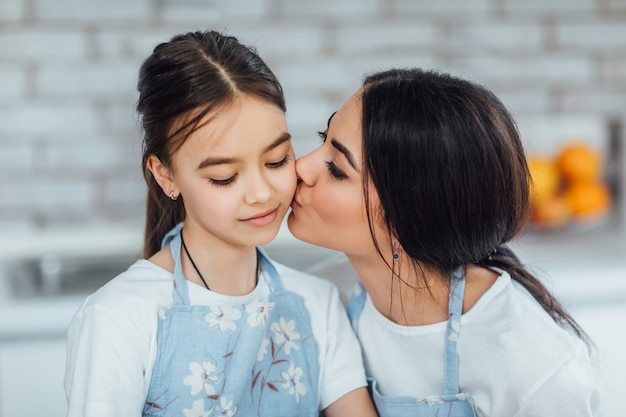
x,y
92,11
70,147
11,10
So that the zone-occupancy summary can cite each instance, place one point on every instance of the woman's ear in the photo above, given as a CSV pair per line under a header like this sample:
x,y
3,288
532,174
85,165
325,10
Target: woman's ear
x,y
163,176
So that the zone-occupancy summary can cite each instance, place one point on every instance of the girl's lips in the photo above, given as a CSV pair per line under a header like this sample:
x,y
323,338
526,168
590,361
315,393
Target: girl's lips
x,y
262,219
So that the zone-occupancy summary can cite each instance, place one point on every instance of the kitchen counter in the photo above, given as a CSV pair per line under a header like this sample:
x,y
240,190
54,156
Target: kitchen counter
x,y
45,316
586,269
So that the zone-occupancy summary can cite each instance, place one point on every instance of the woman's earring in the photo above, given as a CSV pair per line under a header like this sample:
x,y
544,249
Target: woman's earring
x,y
172,196
396,251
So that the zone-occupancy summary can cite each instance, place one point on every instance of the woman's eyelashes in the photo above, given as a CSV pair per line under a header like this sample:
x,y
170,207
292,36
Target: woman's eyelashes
x,y
271,165
335,172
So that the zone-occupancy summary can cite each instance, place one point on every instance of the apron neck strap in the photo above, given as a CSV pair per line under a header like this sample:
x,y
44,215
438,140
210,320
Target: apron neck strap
x,y
453,326
453,329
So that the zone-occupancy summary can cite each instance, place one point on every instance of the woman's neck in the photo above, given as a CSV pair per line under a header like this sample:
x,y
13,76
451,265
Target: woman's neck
x,y
420,296
394,297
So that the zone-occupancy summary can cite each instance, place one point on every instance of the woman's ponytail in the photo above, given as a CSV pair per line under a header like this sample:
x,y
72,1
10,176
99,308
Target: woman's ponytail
x,y
504,259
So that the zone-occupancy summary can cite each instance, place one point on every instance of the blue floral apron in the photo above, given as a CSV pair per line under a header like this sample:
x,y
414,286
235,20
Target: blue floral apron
x,y
451,403
257,359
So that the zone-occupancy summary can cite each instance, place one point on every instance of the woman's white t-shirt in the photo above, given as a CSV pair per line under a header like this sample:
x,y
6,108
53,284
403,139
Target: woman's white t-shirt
x,y
513,358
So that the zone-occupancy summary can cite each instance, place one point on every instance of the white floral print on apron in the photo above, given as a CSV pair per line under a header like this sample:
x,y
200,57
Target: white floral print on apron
x,y
259,359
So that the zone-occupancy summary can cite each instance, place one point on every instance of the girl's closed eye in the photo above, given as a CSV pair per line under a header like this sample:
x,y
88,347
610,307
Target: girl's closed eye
x,y
279,164
222,182
322,135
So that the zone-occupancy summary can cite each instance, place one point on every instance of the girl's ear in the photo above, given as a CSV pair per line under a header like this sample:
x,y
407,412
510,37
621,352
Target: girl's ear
x,y
163,177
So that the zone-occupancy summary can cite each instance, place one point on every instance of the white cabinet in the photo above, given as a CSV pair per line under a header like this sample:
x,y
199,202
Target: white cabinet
x,y
604,324
31,378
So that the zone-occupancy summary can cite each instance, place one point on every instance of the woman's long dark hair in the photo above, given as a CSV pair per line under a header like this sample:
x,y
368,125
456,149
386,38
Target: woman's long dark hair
x,y
181,82
448,165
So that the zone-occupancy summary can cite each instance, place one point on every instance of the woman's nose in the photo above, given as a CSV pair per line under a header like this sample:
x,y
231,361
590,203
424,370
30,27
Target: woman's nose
x,y
306,169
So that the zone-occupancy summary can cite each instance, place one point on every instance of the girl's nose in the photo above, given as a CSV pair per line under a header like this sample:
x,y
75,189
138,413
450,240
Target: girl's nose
x,y
259,189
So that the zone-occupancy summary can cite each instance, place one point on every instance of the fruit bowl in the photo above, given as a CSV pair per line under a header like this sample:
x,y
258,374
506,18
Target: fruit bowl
x,y
568,189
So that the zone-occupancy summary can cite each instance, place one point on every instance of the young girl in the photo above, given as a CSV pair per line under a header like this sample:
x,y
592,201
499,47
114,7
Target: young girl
x,y
420,181
207,324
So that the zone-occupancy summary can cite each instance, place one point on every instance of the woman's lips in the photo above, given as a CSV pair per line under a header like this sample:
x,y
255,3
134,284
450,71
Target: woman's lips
x,y
262,219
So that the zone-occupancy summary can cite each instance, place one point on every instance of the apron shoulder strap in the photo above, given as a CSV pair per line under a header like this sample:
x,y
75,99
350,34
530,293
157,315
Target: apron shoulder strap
x,y
355,305
180,291
268,267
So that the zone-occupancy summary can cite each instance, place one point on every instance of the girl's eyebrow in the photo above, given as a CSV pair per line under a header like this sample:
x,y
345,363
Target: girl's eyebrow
x,y
281,139
210,161
341,148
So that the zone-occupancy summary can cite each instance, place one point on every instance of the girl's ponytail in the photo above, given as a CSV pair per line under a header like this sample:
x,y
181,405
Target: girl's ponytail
x,y
162,214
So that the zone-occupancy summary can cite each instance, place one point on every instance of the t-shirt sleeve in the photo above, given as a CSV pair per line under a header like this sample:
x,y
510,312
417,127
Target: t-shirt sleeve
x,y
342,366
106,362
572,390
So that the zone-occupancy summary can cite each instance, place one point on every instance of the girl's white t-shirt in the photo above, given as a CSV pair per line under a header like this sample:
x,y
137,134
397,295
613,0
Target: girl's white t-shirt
x,y
112,338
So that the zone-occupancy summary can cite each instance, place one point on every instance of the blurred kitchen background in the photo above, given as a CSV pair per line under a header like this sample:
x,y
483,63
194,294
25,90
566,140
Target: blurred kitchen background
x,y
71,186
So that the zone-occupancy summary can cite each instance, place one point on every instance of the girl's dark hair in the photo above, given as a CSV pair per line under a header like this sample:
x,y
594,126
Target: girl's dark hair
x,y
448,165
181,82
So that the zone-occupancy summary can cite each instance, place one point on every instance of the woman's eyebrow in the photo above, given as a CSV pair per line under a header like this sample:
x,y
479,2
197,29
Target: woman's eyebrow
x,y
339,146
330,118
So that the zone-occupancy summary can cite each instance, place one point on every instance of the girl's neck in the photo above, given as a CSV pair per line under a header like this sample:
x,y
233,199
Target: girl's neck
x,y
226,269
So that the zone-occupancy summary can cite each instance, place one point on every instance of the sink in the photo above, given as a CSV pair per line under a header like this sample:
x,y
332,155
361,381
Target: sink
x,y
53,275
58,275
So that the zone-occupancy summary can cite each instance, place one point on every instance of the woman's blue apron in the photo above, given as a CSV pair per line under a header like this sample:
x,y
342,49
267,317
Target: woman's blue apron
x,y
451,403
257,359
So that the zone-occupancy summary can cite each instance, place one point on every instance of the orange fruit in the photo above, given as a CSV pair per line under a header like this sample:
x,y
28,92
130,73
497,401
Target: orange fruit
x,y
545,179
579,162
589,200
552,214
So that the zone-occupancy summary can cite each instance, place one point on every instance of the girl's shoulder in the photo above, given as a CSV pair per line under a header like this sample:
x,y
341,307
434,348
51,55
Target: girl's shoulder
x,y
143,283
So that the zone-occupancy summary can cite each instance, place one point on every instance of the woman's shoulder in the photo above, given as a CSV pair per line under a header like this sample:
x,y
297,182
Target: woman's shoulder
x,y
515,321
